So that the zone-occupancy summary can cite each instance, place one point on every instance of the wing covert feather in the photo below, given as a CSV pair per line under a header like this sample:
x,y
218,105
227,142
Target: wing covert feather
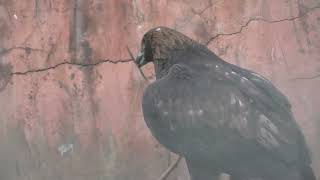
x,y
201,109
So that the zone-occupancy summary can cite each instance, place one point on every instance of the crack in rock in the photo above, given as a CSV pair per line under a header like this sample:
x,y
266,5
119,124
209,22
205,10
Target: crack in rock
x,y
28,50
306,78
72,63
199,13
261,19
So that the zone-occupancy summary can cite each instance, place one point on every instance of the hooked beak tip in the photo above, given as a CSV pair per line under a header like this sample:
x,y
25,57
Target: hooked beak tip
x,y
140,60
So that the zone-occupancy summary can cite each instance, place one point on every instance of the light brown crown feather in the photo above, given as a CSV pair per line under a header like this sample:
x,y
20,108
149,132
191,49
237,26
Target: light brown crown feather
x,y
163,39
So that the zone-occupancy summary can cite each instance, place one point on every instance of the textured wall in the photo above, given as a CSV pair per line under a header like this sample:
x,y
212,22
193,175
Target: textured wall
x,y
70,94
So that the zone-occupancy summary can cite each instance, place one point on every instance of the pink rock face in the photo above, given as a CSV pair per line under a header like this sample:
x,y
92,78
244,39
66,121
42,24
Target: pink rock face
x,y
70,95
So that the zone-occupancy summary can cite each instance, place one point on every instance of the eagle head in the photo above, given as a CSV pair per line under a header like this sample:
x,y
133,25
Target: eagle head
x,y
159,46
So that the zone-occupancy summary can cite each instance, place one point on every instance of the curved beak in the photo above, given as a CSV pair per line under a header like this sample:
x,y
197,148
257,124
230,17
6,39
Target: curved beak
x,y
140,60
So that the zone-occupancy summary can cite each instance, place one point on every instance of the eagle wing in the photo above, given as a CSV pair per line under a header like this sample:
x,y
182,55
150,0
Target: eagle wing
x,y
196,111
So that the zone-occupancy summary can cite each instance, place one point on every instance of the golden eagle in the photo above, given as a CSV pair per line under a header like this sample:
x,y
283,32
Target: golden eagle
x,y
221,118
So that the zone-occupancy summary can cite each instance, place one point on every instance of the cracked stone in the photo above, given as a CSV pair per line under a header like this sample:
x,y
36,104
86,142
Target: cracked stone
x,y
28,50
305,13
73,64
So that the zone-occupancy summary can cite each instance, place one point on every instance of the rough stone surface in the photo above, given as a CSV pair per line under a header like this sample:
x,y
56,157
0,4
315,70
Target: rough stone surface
x,y
70,94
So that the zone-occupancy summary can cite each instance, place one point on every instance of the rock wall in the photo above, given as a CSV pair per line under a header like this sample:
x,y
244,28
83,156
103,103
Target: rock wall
x,y
70,94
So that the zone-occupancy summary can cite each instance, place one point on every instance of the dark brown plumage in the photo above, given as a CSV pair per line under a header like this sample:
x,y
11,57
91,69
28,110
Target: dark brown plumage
x,y
220,117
